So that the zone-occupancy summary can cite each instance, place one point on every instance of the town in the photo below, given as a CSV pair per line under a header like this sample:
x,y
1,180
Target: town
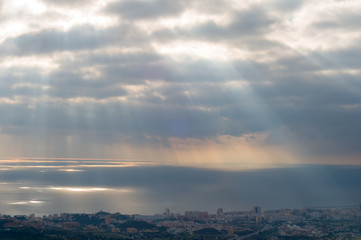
x,y
307,223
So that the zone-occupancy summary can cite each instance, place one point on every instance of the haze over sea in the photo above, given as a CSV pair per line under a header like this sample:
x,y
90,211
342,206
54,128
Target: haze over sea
x,y
47,186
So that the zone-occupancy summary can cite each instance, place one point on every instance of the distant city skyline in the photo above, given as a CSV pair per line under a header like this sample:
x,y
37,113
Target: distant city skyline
x,y
283,223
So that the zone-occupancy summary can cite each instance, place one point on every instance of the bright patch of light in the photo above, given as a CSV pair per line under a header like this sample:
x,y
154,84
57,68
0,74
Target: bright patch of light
x,y
199,50
76,18
26,202
30,85
12,29
18,203
299,33
236,84
5,100
19,8
188,19
24,6
351,106
5,169
45,64
330,72
86,14
78,189
71,170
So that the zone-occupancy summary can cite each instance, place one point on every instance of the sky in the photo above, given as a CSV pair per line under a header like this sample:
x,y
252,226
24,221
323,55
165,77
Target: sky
x,y
223,86
193,83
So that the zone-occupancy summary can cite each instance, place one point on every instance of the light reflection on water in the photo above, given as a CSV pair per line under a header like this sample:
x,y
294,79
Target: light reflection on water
x,y
71,170
26,203
29,192
69,165
78,189
19,199
148,188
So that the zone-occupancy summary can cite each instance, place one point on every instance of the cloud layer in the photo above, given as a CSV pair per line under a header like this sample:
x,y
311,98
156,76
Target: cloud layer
x,y
148,73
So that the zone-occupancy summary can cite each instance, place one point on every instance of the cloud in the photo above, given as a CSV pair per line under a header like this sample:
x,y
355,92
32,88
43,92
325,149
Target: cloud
x,y
253,22
201,99
140,9
164,70
83,37
287,5
52,40
338,20
68,3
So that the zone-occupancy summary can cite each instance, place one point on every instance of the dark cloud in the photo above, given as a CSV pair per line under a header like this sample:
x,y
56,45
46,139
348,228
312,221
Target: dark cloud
x,y
78,38
347,58
52,40
250,23
339,21
28,84
202,96
71,85
287,5
141,9
59,84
